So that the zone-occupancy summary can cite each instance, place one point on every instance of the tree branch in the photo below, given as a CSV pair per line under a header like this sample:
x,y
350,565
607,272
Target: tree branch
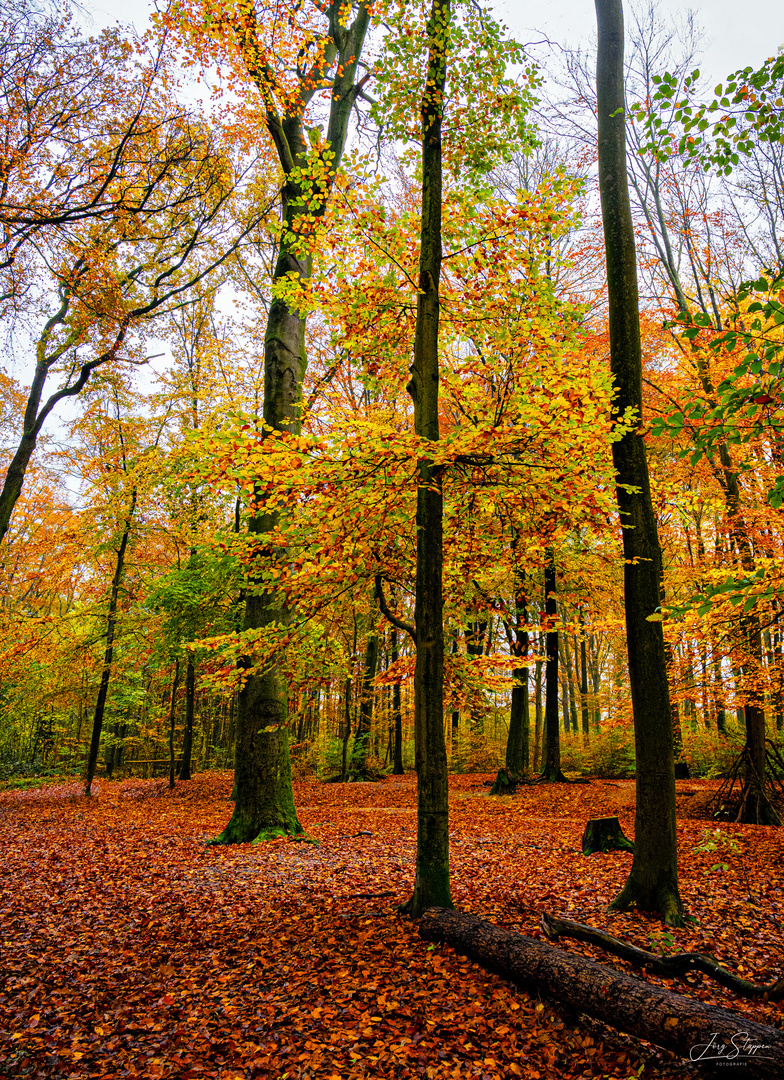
x,y
667,966
399,623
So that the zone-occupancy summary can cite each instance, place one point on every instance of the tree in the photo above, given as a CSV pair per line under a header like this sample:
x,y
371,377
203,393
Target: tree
x,y
264,799
653,881
113,205
738,130
431,885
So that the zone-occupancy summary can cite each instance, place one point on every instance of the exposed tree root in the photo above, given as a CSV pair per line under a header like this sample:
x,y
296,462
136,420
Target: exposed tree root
x,y
746,797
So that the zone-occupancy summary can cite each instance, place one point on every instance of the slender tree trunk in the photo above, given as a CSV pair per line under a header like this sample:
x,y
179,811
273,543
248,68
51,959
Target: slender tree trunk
x,y
190,704
653,882
172,718
570,676
361,749
431,886
346,729
584,704
517,740
551,753
397,712
537,714
475,648
108,655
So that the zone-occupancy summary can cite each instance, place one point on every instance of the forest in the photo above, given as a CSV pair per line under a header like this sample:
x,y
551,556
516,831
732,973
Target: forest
x,y
392,442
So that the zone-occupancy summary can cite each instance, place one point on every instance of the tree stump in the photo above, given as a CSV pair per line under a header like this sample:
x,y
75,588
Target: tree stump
x,y
605,834
505,783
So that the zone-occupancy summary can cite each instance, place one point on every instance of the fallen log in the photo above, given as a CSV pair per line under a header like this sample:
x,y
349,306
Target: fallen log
x,y
667,966
701,1033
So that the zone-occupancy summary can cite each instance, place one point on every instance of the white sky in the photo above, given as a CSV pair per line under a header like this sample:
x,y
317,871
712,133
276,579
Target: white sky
x,y
737,34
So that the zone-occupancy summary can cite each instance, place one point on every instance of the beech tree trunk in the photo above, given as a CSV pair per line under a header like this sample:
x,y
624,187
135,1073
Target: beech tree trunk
x,y
551,750
264,796
190,705
397,713
653,881
172,718
431,885
584,706
359,755
682,1024
517,740
108,655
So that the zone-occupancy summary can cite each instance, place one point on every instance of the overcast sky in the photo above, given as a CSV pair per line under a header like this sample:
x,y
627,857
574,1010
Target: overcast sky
x,y
737,32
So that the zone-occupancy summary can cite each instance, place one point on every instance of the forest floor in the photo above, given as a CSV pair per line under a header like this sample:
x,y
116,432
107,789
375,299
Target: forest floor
x,y
131,949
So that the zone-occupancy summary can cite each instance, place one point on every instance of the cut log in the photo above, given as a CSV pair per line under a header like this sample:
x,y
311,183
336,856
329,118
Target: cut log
x,y
605,834
698,1032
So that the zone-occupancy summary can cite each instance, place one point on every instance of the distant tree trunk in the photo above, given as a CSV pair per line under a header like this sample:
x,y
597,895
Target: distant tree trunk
x,y
172,718
190,703
431,886
551,753
397,713
570,677
475,648
346,728
537,714
584,705
108,655
517,740
596,682
776,677
455,712
677,734
653,882
361,749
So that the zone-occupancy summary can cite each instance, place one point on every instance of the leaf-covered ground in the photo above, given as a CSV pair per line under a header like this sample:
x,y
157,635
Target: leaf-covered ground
x,y
131,949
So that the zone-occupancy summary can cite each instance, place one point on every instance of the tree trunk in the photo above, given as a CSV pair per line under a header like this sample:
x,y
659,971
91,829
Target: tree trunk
x,y
397,712
431,884
172,718
264,795
584,706
475,648
361,749
570,675
682,1024
537,714
516,759
653,881
517,740
108,655
551,751
190,703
